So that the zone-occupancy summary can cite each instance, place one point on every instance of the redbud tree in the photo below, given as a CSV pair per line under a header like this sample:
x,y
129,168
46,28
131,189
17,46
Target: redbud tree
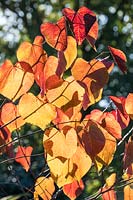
x,y
75,143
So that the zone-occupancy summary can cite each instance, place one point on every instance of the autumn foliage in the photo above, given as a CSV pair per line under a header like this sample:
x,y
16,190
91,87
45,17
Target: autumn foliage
x,y
73,143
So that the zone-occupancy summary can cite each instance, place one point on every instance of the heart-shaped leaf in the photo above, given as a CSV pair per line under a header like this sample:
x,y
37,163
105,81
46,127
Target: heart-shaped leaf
x,y
74,189
80,23
55,34
119,57
23,156
61,143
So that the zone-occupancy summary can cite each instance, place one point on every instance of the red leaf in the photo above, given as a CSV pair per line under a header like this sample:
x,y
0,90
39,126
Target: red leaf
x,y
109,194
80,22
5,137
119,57
112,126
23,156
74,189
55,34
107,121
120,114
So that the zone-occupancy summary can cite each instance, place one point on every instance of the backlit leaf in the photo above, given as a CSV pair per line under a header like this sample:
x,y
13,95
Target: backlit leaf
x,y
55,34
36,110
67,57
5,137
119,57
45,75
71,118
105,157
65,96
8,114
65,171
98,143
80,22
32,53
128,157
60,143
111,180
129,105
44,188
112,126
93,35
120,113
128,192
91,138
107,121
89,76
108,194
74,189
23,156
15,80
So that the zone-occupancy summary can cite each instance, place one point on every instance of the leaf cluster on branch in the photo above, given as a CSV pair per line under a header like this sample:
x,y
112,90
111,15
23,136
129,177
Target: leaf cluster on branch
x,y
72,143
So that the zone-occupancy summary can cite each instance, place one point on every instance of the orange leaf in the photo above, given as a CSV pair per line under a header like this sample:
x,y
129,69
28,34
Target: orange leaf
x,y
67,57
45,75
105,157
8,114
120,113
32,53
65,96
112,126
15,80
92,76
60,143
39,112
65,171
44,188
23,156
96,115
74,189
129,105
108,194
71,118
119,57
120,103
106,120
55,34
70,52
128,192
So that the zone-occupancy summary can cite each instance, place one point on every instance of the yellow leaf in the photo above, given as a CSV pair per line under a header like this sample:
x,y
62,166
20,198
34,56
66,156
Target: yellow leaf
x,y
44,188
60,143
36,111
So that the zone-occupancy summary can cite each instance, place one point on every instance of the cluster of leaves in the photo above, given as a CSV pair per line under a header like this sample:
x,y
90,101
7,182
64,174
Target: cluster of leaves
x,y
72,143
